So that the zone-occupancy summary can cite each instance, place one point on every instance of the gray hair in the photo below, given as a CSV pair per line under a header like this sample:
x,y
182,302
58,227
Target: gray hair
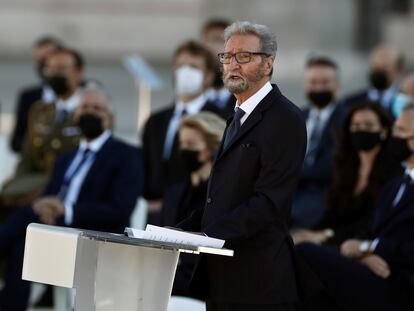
x,y
267,38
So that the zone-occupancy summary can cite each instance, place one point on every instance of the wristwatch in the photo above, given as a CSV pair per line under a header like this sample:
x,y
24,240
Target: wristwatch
x,y
364,246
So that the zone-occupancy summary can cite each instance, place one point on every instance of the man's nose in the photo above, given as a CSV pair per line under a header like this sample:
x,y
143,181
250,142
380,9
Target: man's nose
x,y
233,63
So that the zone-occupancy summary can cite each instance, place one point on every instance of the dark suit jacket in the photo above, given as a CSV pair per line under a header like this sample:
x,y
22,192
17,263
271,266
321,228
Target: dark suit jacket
x,y
248,205
158,172
394,226
26,98
110,189
320,172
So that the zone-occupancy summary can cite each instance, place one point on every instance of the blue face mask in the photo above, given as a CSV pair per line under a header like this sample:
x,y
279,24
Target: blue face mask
x,y
398,104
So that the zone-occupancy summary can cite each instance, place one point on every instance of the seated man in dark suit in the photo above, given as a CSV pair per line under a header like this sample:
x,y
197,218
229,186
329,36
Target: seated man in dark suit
x,y
323,121
34,93
94,187
386,70
375,272
193,74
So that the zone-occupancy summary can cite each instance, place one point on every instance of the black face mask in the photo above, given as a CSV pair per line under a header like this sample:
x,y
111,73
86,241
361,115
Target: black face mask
x,y
320,99
190,160
379,80
365,141
59,84
90,125
399,149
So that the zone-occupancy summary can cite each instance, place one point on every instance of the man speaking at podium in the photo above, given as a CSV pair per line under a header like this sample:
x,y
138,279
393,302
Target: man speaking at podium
x,y
252,182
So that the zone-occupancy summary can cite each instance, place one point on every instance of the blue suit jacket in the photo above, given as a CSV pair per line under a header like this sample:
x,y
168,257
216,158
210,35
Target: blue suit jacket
x,y
110,190
394,226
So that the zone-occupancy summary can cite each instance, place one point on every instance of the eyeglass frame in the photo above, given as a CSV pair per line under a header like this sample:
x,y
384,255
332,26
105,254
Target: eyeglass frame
x,y
235,57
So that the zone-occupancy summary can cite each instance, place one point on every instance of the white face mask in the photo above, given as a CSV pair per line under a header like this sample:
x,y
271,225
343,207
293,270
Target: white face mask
x,y
188,81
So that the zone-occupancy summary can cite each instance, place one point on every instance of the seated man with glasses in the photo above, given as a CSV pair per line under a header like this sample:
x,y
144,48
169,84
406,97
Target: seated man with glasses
x,y
94,187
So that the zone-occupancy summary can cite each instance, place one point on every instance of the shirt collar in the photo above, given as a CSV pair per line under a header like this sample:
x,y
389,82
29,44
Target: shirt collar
x,y
191,107
48,96
96,144
71,103
324,113
410,172
251,103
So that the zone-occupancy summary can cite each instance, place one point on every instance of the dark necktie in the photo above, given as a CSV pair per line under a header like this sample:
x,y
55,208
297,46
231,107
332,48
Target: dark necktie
x,y
234,127
68,177
314,141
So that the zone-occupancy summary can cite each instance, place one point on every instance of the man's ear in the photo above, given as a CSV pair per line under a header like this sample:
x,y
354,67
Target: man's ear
x,y
269,65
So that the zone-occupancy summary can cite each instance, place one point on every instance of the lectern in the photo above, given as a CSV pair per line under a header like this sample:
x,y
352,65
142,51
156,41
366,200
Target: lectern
x,y
109,272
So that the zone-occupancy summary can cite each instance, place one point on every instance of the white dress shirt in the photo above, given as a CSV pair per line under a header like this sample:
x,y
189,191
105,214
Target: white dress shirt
x,y
70,104
48,95
77,180
219,97
191,108
250,104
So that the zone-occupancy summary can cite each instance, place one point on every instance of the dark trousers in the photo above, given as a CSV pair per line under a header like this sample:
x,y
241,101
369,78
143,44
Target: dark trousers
x,y
15,294
211,306
351,285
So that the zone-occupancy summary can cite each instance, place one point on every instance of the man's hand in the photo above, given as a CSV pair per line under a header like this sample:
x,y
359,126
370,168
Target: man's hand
x,y
317,237
49,209
351,248
377,265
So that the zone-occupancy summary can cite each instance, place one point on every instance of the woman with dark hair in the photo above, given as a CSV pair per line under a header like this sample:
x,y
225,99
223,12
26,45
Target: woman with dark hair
x,y
362,166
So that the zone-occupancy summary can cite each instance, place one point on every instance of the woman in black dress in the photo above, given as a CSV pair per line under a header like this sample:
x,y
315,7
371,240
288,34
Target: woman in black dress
x,y
362,166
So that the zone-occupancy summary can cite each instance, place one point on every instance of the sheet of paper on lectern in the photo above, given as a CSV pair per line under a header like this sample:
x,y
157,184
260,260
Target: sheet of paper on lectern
x,y
161,234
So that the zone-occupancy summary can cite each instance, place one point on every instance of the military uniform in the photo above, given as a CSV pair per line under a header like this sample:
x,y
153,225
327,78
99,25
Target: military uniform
x,y
51,132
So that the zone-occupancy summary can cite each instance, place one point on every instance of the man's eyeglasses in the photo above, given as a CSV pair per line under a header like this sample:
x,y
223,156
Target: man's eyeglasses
x,y
241,57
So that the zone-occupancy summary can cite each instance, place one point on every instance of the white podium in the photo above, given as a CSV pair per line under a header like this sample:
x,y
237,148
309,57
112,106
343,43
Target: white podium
x,y
110,272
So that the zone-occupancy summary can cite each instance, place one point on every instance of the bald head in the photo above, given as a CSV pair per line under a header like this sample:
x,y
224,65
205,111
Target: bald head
x,y
387,60
95,101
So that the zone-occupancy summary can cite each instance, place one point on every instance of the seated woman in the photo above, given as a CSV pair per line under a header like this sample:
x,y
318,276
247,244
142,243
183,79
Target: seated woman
x,y
362,166
200,136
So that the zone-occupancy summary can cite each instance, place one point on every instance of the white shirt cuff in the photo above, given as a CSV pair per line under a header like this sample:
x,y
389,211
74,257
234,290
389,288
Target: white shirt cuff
x,y
374,245
68,214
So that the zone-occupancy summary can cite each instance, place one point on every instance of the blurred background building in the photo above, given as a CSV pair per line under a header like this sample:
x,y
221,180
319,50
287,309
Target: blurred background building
x,y
107,30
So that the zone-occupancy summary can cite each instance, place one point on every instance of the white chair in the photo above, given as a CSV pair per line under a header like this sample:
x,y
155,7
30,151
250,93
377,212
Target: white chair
x,y
178,303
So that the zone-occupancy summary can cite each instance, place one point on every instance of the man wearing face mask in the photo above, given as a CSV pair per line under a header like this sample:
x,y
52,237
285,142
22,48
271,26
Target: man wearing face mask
x,y
386,69
43,47
193,74
94,187
323,120
51,129
212,37
375,270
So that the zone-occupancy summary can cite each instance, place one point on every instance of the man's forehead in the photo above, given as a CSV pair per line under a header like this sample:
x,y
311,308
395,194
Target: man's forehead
x,y
58,58
245,42
93,98
406,119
